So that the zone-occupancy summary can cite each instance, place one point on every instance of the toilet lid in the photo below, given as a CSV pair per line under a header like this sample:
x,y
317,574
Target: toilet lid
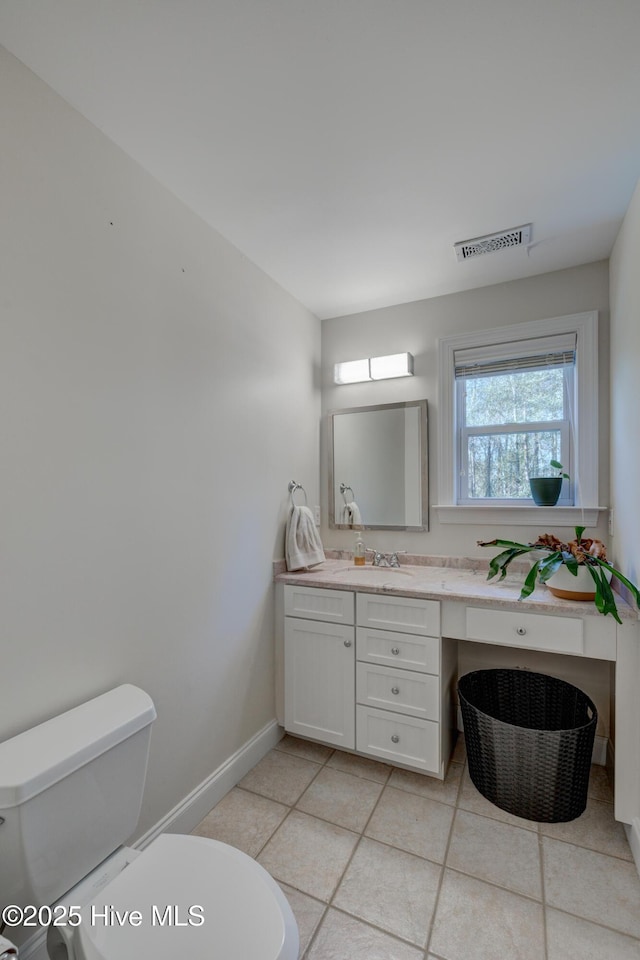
x,y
191,897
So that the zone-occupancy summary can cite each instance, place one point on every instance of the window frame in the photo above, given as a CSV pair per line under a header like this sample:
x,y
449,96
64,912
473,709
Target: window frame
x,y
585,463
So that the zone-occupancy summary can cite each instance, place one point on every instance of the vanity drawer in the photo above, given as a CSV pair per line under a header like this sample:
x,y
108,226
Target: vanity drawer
x,y
403,614
415,694
528,630
398,649
400,739
316,603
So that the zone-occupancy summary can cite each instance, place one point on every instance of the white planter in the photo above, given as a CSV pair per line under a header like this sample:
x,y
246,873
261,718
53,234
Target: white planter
x,y
563,584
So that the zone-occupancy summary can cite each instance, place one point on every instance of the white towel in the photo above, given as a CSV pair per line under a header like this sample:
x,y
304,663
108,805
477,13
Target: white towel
x,y
302,546
351,514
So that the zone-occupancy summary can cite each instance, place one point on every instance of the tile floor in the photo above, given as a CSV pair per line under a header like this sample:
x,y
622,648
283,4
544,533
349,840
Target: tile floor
x,y
383,864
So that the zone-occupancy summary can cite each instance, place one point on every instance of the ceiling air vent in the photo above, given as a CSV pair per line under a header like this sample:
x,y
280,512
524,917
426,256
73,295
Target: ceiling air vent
x,y
516,237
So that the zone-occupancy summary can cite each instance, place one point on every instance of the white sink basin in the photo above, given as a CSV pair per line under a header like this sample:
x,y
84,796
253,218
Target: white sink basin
x,y
382,573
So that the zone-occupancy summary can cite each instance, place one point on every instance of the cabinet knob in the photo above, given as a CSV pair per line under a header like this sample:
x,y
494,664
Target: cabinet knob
x,y
395,690
347,643
395,651
521,631
395,738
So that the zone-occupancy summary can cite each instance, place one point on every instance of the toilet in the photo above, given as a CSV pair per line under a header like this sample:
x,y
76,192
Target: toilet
x,y
70,797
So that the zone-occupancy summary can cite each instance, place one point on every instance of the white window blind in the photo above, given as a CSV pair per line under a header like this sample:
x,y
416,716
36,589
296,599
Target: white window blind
x,y
534,354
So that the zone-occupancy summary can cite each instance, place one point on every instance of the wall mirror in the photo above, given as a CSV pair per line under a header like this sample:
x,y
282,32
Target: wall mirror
x,y
378,462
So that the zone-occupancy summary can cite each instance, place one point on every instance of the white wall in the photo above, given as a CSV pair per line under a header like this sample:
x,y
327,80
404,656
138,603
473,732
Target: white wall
x,y
416,327
625,391
624,433
157,392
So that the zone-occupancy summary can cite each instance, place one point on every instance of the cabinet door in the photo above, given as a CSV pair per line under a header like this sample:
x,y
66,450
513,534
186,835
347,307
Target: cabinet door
x,y
319,681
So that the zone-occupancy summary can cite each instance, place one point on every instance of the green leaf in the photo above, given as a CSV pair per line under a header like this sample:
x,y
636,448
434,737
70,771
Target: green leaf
x,y
549,565
505,543
570,562
530,581
621,577
604,600
556,464
579,532
500,563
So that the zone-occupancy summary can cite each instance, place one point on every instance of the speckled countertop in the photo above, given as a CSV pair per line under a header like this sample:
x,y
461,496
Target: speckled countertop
x,y
440,578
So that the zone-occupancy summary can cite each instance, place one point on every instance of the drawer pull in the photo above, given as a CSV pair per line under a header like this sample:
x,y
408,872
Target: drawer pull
x,y
347,643
395,690
395,738
395,651
521,631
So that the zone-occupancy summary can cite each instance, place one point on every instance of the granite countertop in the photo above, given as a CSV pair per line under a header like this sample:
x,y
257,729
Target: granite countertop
x,y
442,578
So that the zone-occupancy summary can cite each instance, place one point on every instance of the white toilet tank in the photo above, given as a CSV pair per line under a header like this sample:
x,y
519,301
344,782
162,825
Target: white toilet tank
x,y
70,794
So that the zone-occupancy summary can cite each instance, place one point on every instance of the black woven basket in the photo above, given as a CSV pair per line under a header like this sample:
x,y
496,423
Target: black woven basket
x,y
529,742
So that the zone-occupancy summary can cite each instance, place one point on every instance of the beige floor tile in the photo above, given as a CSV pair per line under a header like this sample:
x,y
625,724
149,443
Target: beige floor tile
x,y
477,921
308,913
340,798
360,766
343,938
472,800
280,776
599,783
306,749
308,854
446,791
391,889
571,939
497,852
244,820
596,829
592,885
415,824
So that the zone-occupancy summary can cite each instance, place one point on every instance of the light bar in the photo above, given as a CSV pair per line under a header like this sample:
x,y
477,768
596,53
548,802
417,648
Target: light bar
x,y
374,368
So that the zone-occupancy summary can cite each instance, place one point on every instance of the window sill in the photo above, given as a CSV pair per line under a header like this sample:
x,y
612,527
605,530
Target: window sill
x,y
519,515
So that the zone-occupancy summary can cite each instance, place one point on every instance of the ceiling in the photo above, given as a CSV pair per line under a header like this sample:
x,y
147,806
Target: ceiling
x,y
345,145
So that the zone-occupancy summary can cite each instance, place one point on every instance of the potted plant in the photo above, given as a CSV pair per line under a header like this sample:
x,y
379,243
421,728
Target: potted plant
x,y
581,558
546,490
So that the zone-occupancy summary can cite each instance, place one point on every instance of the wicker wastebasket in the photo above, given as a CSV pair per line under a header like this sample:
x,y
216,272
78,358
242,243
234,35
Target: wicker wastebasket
x,y
529,741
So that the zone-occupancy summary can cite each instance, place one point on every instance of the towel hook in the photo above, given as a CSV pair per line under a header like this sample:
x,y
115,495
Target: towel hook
x,y
293,486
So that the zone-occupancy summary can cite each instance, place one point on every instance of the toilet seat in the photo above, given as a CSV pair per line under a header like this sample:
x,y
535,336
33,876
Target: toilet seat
x,y
243,913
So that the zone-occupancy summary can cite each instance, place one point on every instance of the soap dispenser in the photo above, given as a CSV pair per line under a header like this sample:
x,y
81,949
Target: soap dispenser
x,y
358,553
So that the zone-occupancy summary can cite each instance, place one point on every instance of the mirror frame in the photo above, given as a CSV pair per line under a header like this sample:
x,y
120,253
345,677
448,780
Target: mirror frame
x,y
424,465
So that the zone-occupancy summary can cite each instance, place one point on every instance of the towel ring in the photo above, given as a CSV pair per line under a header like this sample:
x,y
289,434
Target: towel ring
x,y
293,486
343,490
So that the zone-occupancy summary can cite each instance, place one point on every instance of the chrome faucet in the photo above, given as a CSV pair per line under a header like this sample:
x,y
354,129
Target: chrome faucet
x,y
386,559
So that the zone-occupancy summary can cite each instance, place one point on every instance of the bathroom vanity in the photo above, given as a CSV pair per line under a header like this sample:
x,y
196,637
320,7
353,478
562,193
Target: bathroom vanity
x,y
367,657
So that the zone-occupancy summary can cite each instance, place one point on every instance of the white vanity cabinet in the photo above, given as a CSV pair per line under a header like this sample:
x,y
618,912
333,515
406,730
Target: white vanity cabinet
x,y
371,665
370,673
319,660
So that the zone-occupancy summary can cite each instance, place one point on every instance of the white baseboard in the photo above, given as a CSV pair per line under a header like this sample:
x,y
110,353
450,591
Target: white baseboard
x,y
192,809
633,836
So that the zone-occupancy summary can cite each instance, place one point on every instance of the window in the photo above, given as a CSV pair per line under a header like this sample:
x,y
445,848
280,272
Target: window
x,y
513,415
511,400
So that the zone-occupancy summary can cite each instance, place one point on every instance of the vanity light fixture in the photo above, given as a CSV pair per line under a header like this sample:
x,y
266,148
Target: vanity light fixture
x,y
374,368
